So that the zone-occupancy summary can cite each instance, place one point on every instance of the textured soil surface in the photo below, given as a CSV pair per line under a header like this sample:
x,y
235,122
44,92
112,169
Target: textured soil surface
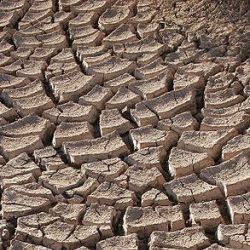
x,y
124,125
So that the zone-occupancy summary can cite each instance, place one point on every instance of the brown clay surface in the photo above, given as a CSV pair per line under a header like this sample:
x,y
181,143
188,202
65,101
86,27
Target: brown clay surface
x,y
124,125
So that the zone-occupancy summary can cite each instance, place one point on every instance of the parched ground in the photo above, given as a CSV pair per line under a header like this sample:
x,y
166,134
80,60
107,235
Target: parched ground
x,y
124,125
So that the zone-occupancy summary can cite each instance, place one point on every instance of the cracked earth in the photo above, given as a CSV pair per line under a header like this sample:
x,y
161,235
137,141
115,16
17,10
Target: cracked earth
x,y
124,125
